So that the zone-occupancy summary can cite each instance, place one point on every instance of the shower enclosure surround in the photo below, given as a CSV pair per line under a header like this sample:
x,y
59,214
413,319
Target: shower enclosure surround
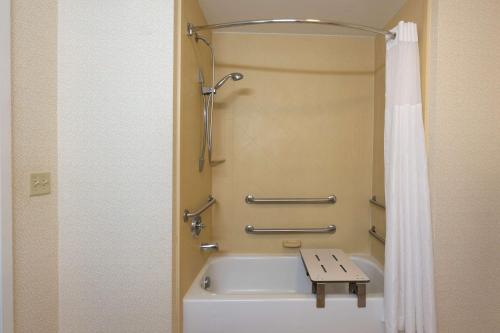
x,y
272,293
191,188
299,125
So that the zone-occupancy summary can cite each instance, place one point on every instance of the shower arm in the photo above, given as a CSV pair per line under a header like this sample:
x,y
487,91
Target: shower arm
x,y
193,29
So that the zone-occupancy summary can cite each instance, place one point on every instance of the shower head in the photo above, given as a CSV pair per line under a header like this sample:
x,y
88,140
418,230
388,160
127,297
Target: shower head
x,y
233,76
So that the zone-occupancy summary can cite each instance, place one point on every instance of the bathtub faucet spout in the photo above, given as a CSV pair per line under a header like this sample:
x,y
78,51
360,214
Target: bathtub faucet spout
x,y
206,247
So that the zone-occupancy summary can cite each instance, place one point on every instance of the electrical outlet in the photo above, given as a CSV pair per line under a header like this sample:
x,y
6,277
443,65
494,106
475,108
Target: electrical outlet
x,y
39,183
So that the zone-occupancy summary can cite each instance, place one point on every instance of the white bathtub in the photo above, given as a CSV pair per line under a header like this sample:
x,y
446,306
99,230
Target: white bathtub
x,y
272,294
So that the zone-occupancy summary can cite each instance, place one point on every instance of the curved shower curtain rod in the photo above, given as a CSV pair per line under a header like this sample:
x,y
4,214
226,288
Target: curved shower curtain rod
x,y
193,29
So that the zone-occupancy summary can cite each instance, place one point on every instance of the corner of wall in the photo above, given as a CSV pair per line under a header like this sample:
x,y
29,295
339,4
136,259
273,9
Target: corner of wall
x,y
6,246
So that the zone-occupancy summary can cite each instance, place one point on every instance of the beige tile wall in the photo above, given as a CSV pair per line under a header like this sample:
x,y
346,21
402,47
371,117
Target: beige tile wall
x,y
299,124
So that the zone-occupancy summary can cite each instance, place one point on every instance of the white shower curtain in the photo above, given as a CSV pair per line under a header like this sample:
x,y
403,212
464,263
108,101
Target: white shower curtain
x,y
409,278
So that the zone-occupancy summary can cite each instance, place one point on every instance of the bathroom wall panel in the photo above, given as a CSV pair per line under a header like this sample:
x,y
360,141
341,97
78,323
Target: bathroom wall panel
x,y
34,147
191,187
6,244
299,124
115,131
464,163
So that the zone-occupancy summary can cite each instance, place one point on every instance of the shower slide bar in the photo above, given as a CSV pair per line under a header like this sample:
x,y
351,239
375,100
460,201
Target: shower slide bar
x,y
198,212
250,229
193,29
373,232
250,199
374,201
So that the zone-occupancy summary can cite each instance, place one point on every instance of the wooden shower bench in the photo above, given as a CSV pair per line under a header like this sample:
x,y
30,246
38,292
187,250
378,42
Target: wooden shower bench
x,y
325,266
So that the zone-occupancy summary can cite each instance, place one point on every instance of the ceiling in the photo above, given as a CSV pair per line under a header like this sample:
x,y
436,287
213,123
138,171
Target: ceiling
x,y
374,13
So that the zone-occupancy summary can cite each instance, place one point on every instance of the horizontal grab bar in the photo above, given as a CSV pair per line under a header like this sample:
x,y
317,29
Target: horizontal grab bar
x,y
374,201
250,229
188,214
374,233
250,199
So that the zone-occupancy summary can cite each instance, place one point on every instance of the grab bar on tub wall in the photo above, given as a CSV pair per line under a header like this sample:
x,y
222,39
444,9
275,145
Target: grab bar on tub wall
x,y
188,214
374,201
250,199
373,232
250,229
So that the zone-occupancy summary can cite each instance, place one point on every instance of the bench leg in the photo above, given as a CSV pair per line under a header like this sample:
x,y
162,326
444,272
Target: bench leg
x,y
314,287
361,292
320,295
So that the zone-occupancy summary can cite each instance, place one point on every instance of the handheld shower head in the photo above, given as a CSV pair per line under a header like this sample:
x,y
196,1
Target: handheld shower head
x,y
236,76
232,76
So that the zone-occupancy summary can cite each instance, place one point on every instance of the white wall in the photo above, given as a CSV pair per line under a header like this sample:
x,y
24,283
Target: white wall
x,y
115,165
464,159
6,315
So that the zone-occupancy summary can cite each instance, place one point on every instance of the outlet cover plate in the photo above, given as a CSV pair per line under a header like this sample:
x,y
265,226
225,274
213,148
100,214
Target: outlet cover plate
x,y
39,184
